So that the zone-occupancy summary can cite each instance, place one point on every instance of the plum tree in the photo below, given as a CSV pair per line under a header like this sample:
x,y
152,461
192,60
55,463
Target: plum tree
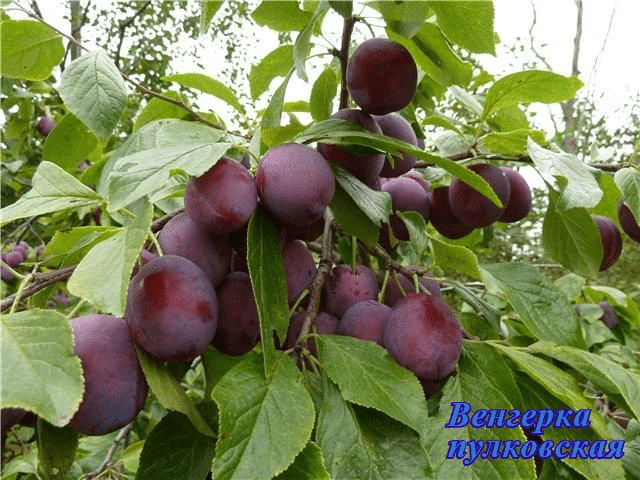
x,y
223,199
365,320
45,125
238,328
423,335
183,237
343,287
172,309
394,125
364,167
470,206
115,388
628,222
299,268
392,295
406,195
381,76
442,217
519,204
295,183
611,241
609,316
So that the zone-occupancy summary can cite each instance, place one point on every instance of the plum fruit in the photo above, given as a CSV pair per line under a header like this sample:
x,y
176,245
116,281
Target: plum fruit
x,y
299,268
343,287
325,324
611,241
442,217
223,199
628,222
406,195
183,237
172,309
365,168
417,176
45,125
14,258
238,326
295,183
423,335
382,76
115,388
470,206
393,294
519,204
394,125
308,233
365,320
609,317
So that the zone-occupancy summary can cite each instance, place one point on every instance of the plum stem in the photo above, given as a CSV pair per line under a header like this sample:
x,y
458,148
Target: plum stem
x,y
354,254
25,279
383,289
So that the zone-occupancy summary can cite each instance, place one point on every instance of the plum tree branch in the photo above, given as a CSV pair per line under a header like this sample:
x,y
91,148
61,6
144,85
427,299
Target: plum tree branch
x,y
347,30
120,438
123,26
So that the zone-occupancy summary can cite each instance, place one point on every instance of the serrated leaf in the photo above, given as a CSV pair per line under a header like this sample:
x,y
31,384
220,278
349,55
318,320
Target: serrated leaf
x,y
417,227
175,449
52,190
36,346
264,422
93,89
403,17
528,87
68,143
206,84
281,16
106,288
469,24
209,9
484,308
56,449
322,94
30,50
455,257
543,308
308,465
277,63
570,177
266,270
67,247
628,181
373,378
157,109
510,143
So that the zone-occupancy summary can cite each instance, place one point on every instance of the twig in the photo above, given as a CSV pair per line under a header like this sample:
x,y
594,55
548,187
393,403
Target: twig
x,y
122,27
40,282
347,30
112,450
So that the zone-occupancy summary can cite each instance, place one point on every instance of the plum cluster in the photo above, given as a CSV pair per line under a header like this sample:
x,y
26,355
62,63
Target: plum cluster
x,y
14,258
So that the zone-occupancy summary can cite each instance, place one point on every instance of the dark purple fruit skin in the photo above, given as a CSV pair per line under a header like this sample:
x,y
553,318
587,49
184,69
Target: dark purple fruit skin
x,y
238,326
14,258
519,204
45,125
611,241
406,195
365,168
421,143
295,183
223,199
393,294
628,222
381,76
423,335
609,317
394,125
470,206
417,176
343,288
212,253
8,418
114,385
172,309
442,217
308,233
429,388
365,320
299,268
145,257
325,325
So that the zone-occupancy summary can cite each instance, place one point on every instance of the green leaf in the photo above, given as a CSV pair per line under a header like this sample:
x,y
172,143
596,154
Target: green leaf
x,y
275,136
343,7
403,17
542,307
273,113
508,119
264,422
52,190
266,269
302,46
527,87
628,181
36,349
30,50
570,177
608,206
468,24
67,247
308,465
69,143
206,84
209,9
277,63
169,392
56,450
216,364
139,174
455,257
510,143
175,449
93,89
572,239
281,16
480,305
373,378
157,109
322,94
417,227
485,382
365,444
557,382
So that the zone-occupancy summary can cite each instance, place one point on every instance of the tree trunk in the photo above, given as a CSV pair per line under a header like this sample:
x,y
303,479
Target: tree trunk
x,y
569,142
76,27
